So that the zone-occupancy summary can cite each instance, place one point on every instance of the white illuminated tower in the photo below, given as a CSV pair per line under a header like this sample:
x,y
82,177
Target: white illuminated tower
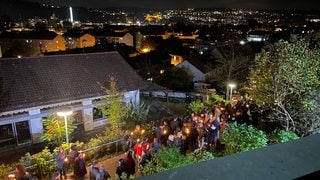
x,y
71,14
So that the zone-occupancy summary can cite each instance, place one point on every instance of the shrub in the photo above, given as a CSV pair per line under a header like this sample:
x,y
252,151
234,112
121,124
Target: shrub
x,y
201,155
280,136
196,106
242,137
166,158
5,170
137,114
40,165
98,151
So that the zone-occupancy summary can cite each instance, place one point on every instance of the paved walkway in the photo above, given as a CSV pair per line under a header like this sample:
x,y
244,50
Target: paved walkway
x,y
110,164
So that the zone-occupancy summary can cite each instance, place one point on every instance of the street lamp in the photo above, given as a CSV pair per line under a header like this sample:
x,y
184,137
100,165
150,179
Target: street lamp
x,y
231,85
64,112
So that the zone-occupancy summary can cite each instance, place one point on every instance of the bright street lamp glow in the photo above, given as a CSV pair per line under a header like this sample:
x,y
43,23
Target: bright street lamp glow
x,y
64,112
242,42
231,85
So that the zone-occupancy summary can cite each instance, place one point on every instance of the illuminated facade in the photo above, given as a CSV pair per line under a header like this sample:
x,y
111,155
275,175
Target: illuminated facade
x,y
79,40
30,43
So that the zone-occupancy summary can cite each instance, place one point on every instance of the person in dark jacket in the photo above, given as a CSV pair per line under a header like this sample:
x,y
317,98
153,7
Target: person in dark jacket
x,y
130,164
80,167
73,154
121,168
146,157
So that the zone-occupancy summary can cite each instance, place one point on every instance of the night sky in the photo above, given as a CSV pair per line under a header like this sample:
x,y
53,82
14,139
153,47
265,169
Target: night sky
x,y
165,4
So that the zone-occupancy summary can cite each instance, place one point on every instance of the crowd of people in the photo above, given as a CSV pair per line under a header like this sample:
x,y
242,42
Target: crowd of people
x,y
189,133
75,159
192,132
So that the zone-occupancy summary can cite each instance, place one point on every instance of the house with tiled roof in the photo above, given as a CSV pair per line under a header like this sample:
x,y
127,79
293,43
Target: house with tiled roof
x,y
120,38
33,88
197,68
148,32
79,39
30,43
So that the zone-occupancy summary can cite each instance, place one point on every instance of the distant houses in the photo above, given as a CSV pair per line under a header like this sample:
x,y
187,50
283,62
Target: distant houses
x,y
197,69
120,38
30,43
78,39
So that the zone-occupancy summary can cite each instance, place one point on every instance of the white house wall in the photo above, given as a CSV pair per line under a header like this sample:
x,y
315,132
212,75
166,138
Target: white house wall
x,y
127,39
197,74
36,125
35,115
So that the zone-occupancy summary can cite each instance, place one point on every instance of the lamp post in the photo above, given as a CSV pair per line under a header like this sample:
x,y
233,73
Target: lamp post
x,y
231,85
64,112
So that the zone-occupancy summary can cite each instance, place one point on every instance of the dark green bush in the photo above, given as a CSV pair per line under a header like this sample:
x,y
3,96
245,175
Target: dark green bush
x,y
40,165
242,137
196,107
166,158
201,155
280,136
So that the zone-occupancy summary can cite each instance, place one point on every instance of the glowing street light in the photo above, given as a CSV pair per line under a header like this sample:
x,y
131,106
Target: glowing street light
x,y
64,112
231,85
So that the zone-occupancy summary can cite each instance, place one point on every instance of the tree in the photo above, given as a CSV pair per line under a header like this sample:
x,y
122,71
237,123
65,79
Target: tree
x,y
232,65
55,130
114,108
39,26
5,22
177,79
67,24
285,80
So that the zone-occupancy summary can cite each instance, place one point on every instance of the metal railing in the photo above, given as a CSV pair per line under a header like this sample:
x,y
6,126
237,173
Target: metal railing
x,y
117,149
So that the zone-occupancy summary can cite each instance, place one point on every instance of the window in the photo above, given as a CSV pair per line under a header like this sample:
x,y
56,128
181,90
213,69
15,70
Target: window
x,y
6,136
23,132
97,114
6,132
78,117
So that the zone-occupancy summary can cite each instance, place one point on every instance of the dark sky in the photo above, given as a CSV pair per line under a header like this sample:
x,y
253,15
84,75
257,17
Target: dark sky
x,y
245,4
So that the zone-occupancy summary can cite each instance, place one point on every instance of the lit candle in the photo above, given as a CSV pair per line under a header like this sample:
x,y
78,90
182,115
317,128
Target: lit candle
x,y
11,176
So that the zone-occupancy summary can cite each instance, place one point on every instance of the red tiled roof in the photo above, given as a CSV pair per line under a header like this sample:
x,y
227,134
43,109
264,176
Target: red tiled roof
x,y
39,81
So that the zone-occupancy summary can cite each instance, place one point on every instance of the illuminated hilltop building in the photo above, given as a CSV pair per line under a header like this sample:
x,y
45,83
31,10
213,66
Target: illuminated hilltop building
x,y
153,17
